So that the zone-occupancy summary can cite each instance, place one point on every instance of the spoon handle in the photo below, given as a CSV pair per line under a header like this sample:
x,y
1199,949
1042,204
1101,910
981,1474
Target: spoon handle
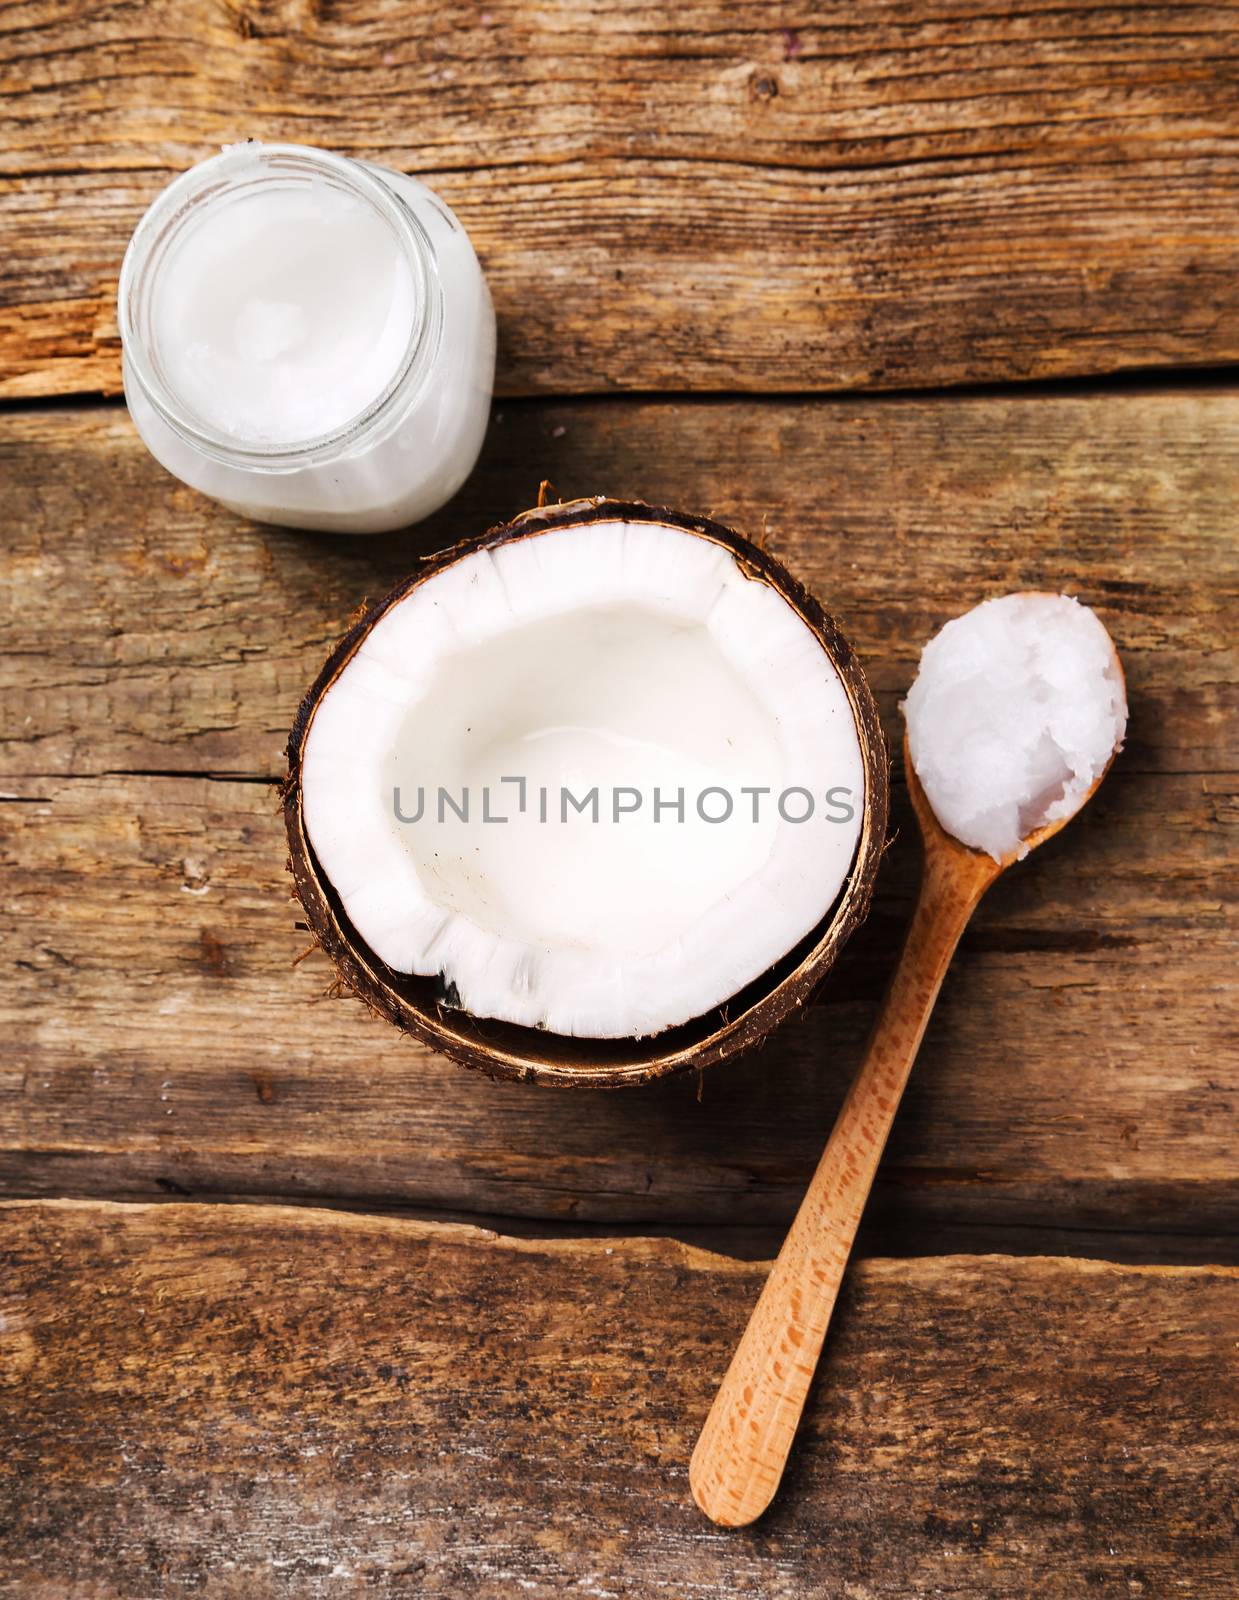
x,y
744,1444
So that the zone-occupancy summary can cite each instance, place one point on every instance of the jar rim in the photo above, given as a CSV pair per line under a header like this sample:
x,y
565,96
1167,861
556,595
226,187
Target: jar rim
x,y
234,168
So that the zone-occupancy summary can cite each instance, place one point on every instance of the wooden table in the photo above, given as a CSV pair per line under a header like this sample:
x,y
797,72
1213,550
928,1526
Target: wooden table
x,y
290,1306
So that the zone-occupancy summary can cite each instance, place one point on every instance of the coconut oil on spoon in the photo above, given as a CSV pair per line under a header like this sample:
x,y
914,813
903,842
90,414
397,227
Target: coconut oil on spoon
x,y
1016,713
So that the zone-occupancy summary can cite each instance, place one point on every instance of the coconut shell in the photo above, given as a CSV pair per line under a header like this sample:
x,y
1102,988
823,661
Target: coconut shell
x,y
504,1050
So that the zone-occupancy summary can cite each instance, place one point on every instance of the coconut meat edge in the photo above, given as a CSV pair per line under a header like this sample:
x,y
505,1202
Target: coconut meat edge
x,y
628,656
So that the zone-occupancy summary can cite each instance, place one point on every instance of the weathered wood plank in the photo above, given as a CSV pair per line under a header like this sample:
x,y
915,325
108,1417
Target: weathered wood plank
x,y
145,629
159,1040
271,1402
712,196
1080,1068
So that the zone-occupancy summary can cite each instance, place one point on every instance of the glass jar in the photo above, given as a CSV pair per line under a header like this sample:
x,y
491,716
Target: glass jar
x,y
259,398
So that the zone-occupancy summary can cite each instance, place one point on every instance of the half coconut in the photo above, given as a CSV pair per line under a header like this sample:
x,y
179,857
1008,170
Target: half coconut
x,y
594,797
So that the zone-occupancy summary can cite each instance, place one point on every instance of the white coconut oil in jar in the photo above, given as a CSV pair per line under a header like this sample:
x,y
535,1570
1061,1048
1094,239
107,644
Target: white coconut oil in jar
x,y
307,339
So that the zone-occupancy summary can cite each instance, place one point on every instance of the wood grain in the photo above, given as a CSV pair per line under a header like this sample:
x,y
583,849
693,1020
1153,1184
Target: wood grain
x,y
182,639
262,1402
716,196
159,1040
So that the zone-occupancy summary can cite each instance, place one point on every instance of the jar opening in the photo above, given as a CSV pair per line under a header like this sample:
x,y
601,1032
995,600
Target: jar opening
x,y
339,278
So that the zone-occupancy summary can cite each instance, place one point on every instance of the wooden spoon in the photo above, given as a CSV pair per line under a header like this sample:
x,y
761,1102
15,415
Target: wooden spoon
x,y
740,1456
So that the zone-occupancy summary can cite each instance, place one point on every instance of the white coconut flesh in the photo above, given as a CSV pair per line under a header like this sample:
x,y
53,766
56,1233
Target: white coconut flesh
x,y
1016,709
631,658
